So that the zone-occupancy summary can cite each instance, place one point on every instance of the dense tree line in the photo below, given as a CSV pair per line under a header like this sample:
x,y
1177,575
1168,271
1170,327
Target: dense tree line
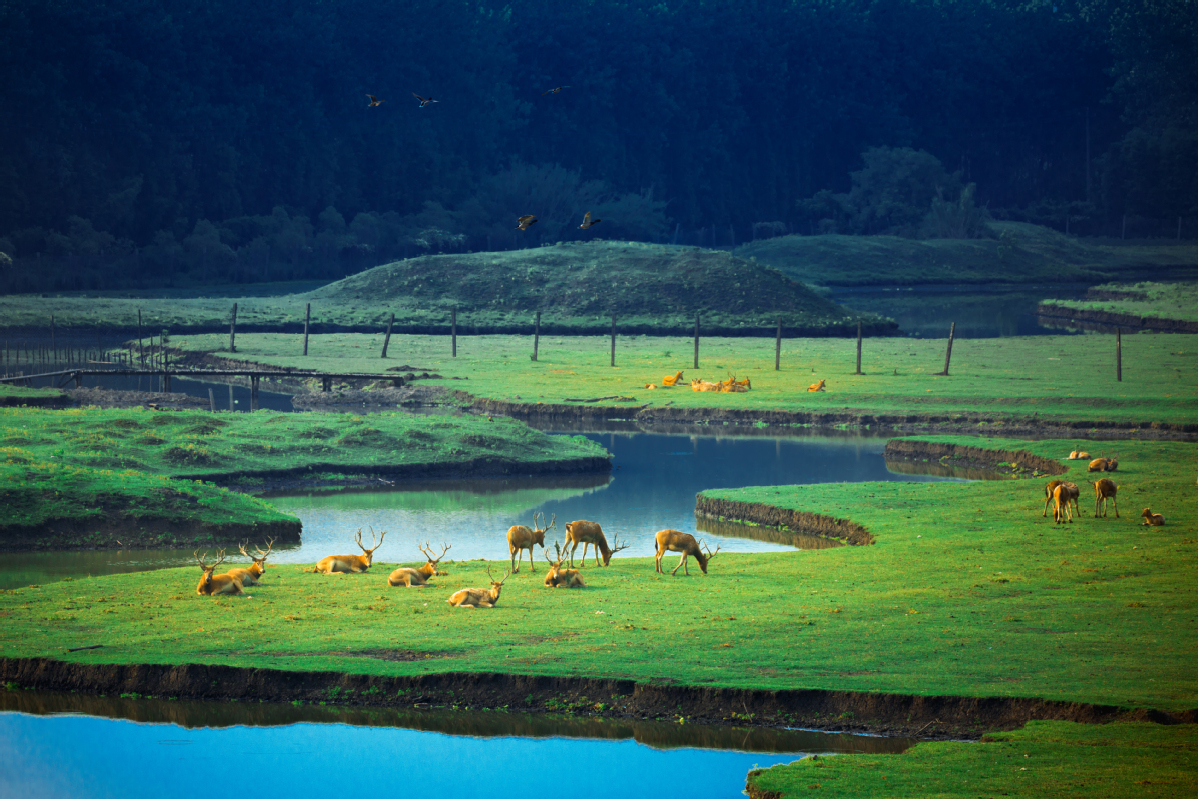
x,y
233,139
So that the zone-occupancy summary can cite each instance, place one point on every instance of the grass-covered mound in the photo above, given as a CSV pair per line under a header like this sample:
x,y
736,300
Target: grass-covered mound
x,y
1021,253
1045,759
1161,306
14,395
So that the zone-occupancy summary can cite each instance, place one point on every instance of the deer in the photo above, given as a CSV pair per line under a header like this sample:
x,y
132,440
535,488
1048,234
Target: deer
x,y
1104,489
418,577
210,584
678,541
1049,488
1078,455
520,538
479,597
671,381
1103,465
1152,519
699,384
590,534
1063,495
250,575
820,386
559,577
350,564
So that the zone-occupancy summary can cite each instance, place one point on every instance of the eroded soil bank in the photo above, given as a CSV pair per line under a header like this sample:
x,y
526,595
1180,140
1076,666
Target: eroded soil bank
x,y
146,532
1054,315
1016,463
727,510
894,714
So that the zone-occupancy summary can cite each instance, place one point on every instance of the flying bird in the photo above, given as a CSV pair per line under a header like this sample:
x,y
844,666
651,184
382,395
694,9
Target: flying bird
x,y
525,221
424,100
555,91
588,222
374,102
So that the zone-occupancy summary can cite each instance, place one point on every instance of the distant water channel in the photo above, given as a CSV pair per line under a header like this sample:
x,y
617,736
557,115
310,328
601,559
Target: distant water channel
x,y
67,745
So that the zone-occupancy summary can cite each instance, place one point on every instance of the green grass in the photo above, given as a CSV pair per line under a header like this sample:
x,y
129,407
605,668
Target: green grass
x,y
12,394
1022,253
968,591
1063,378
1148,300
1046,759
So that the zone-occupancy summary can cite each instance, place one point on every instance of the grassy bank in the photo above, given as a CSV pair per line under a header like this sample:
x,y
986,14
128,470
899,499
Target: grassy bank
x,y
1046,759
1147,304
14,395
1066,378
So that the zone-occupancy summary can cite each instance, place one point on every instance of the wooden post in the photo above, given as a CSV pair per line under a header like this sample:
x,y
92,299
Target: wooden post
x,y
387,340
453,332
536,337
1119,354
859,349
253,393
53,343
211,401
948,354
613,339
231,403
778,348
233,330
141,351
307,317
696,341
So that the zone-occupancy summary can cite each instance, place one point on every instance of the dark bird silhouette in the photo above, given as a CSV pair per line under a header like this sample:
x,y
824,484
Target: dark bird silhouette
x,y
555,91
588,222
424,100
374,102
525,221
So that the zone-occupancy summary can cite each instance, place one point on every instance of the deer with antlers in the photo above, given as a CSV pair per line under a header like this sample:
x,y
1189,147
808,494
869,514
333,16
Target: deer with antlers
x,y
1049,488
559,577
479,597
590,534
520,538
418,577
351,564
210,584
678,541
1105,489
250,575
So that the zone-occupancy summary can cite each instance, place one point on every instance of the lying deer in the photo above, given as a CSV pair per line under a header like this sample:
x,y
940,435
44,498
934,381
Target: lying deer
x,y
1078,455
479,597
671,381
817,386
250,575
418,577
1104,489
699,384
210,584
559,577
520,538
1063,495
678,541
590,534
1103,465
1152,519
1049,488
351,564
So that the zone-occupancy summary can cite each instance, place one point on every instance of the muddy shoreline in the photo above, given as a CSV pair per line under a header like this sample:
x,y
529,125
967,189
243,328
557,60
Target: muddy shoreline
x,y
932,717
146,532
1016,463
797,521
1106,321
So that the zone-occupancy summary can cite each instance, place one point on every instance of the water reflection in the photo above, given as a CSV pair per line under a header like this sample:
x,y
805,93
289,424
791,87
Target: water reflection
x,y
771,534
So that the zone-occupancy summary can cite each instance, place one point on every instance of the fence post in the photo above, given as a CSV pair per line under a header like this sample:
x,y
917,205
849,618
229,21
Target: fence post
x,y
778,348
859,350
233,330
453,332
613,339
211,401
696,340
536,337
948,354
307,318
387,340
1119,354
141,352
253,393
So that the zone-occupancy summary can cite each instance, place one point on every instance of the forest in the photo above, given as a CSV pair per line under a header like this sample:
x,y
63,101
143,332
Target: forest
x,y
153,141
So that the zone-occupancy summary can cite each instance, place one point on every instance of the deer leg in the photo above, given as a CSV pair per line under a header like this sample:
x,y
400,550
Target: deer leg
x,y
585,544
1047,502
531,563
1116,501
681,561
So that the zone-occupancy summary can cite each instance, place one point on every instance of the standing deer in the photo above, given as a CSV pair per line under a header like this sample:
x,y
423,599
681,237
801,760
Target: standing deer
x,y
418,577
1063,495
590,534
559,577
1104,489
1152,519
678,541
1049,488
250,575
211,585
350,564
479,597
520,538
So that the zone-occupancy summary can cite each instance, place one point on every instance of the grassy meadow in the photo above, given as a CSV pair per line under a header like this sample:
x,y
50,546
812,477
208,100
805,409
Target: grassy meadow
x,y
1146,300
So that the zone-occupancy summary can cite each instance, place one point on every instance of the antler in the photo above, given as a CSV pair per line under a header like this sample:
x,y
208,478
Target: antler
x,y
616,546
376,546
200,559
358,538
491,577
710,554
242,547
552,522
270,543
428,553
220,555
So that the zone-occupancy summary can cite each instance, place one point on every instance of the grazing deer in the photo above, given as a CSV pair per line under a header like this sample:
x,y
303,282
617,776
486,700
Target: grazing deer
x,y
210,584
350,564
1104,489
817,386
479,597
520,538
1063,495
678,541
590,534
1152,519
1049,488
1078,455
672,381
418,577
1103,465
250,575
559,577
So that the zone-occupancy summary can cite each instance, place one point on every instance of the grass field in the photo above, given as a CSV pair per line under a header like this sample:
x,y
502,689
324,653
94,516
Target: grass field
x,y
1147,300
1064,378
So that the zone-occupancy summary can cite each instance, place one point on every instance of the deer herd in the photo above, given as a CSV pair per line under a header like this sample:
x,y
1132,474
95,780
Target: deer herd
x,y
519,538
1063,495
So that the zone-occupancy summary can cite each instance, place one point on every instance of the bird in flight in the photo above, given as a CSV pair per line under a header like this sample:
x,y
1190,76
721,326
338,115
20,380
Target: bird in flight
x,y
588,222
424,100
525,221
374,101
557,90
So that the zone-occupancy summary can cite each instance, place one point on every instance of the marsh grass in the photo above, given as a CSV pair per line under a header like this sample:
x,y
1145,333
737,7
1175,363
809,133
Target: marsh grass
x,y
1147,300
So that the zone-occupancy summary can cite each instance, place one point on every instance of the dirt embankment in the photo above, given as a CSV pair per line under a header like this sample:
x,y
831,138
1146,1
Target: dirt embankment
x,y
58,400
146,532
930,716
797,521
1003,461
112,398
1053,315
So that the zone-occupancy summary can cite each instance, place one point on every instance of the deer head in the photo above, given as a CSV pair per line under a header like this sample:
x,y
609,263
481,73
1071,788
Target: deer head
x,y
206,580
705,557
538,532
431,566
259,559
495,586
370,552
616,546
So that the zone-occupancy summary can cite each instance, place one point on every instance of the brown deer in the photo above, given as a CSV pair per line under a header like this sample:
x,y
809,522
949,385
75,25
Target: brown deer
x,y
817,386
1103,465
559,577
210,584
520,538
250,575
590,534
1049,488
1063,495
1105,489
678,541
671,381
699,384
1078,455
350,564
418,577
1152,519
479,597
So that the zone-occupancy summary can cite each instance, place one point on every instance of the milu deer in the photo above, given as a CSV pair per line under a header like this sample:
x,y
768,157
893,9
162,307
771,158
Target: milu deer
x,y
520,538
1063,495
559,577
590,534
1105,489
817,386
250,574
678,541
350,564
1078,455
479,597
671,381
1103,465
1049,488
210,584
418,577
1152,519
